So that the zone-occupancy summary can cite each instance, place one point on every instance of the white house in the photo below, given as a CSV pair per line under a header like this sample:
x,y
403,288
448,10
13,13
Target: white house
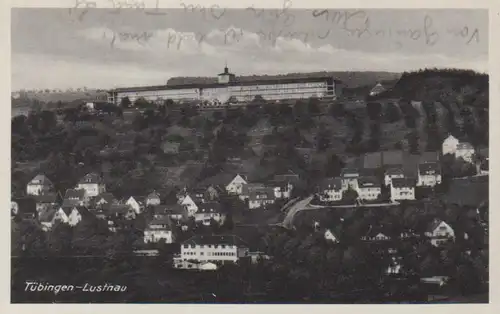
x,y
158,229
261,198
392,173
349,178
39,185
208,211
74,217
429,174
450,145
236,185
330,190
439,231
153,199
329,236
190,205
283,184
213,248
76,197
465,151
250,188
403,189
134,204
368,188
92,184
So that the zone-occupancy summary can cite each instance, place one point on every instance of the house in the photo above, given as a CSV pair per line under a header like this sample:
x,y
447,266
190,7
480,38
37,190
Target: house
x,y
46,217
79,197
283,184
375,234
177,213
104,200
465,151
377,89
92,184
236,185
212,193
449,145
45,201
208,211
403,189
249,188
439,232
159,229
135,204
261,198
121,211
330,190
392,173
349,177
330,236
160,211
429,174
484,160
24,208
190,204
212,248
153,199
39,185
71,215
170,148
368,188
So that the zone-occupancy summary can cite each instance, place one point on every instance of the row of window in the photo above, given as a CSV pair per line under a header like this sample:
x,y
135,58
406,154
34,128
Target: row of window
x,y
212,253
215,246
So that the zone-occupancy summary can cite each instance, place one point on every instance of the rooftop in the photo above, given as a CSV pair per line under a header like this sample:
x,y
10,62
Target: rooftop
x,y
331,183
215,239
403,182
90,178
367,182
429,168
40,179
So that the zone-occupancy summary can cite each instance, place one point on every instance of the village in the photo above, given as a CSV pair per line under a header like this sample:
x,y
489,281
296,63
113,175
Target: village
x,y
385,179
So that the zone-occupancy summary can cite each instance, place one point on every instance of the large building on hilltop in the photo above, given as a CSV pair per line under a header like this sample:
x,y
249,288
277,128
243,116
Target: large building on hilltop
x,y
226,86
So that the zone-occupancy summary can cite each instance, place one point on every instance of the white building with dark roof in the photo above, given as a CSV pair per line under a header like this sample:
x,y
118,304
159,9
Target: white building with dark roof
x,y
429,174
159,229
465,151
369,188
39,185
330,190
393,173
214,248
228,86
403,189
92,184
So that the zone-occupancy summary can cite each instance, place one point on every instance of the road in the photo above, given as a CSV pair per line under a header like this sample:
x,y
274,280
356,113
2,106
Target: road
x,y
305,205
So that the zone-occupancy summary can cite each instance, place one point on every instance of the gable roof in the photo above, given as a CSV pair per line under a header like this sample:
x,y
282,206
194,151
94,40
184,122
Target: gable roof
x,y
377,89
40,179
161,221
72,193
107,196
331,184
434,224
349,172
49,198
119,209
153,194
429,168
465,146
368,182
91,178
209,207
215,239
250,187
393,171
403,182
261,194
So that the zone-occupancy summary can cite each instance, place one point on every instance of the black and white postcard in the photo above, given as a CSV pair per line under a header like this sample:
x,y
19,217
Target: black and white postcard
x,y
279,152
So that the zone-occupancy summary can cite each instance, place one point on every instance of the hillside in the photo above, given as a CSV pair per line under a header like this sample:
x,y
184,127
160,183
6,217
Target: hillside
x,y
66,96
448,86
349,79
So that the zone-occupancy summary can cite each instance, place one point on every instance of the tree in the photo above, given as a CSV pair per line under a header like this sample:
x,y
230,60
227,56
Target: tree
x,y
350,195
392,113
334,166
125,102
374,110
313,106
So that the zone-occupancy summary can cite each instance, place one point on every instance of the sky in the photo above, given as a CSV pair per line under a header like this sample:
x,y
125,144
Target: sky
x,y
104,48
